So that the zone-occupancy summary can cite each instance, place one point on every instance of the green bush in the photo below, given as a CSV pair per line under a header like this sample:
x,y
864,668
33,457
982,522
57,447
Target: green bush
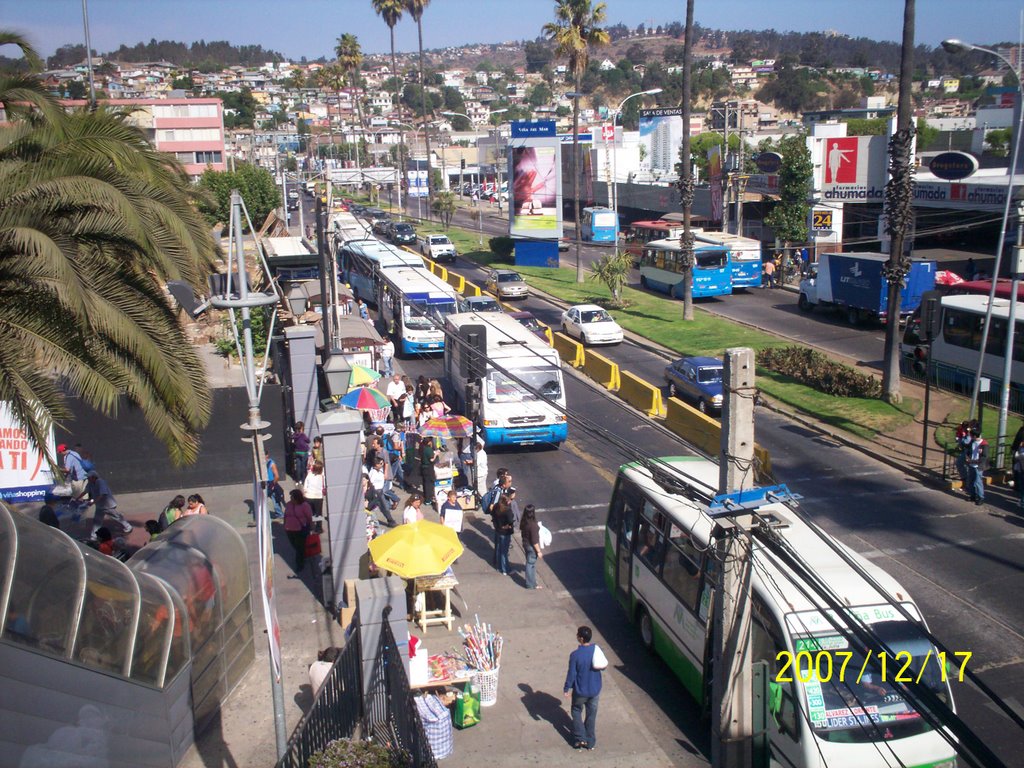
x,y
352,753
502,247
815,370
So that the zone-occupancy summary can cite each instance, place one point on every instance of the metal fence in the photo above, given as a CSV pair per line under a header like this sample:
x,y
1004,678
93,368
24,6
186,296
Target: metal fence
x,y
337,710
392,718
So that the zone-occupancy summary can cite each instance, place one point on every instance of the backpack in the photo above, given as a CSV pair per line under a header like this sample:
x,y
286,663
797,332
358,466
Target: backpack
x,y
490,499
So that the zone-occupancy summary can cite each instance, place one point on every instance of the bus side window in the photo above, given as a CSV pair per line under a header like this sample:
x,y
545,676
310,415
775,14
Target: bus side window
x,y
682,573
650,545
765,647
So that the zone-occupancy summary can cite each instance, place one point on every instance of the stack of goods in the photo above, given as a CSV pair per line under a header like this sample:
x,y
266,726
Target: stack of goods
x,y
481,647
446,666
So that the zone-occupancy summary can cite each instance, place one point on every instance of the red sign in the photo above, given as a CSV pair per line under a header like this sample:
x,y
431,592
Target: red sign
x,y
841,161
608,132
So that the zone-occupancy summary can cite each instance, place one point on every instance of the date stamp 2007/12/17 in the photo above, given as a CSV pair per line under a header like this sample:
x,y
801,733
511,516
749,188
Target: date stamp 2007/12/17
x,y
835,666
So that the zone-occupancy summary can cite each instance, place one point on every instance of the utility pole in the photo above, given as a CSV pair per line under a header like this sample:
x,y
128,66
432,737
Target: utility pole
x,y
327,308
732,688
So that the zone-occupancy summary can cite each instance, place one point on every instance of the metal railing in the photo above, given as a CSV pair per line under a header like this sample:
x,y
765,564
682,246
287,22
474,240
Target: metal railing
x,y
391,718
337,710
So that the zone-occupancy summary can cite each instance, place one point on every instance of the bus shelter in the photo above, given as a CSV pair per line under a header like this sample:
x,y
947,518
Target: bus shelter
x,y
111,663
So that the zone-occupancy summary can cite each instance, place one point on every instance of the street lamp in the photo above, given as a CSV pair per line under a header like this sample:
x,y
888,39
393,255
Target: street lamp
x,y
956,46
615,153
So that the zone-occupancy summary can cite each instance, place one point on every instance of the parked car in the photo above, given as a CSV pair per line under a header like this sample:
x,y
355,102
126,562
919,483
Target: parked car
x,y
379,221
402,233
697,379
438,248
563,244
480,304
591,324
531,323
507,284
357,209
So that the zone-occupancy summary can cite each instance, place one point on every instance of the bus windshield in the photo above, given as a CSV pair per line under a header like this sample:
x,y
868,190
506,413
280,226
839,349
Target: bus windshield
x,y
860,706
421,316
711,260
502,389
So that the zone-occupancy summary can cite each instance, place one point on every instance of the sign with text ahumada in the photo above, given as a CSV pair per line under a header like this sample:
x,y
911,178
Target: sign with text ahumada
x,y
854,169
24,473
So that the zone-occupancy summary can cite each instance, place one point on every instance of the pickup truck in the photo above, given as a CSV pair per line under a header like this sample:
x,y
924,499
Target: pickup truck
x,y
853,283
438,248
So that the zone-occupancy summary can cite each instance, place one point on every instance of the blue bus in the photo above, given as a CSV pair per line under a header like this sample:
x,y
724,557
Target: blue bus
x,y
414,303
660,269
599,225
744,255
361,262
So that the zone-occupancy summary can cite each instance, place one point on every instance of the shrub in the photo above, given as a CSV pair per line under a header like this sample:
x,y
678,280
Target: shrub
x,y
353,753
502,247
819,372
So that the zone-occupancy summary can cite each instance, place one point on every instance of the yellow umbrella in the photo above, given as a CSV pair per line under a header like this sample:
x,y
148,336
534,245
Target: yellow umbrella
x,y
423,548
362,375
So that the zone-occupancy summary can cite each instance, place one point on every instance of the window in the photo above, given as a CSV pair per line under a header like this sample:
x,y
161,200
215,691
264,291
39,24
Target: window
x,y
650,541
682,568
962,329
765,645
209,157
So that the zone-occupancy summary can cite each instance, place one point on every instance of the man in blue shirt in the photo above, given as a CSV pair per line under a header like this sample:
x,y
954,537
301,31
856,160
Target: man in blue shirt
x,y
584,683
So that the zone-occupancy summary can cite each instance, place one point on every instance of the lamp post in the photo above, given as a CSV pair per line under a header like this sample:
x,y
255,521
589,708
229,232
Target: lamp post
x,y
490,114
955,46
615,153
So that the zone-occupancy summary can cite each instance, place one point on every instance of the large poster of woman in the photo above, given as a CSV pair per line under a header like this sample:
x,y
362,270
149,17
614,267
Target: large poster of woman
x,y
535,191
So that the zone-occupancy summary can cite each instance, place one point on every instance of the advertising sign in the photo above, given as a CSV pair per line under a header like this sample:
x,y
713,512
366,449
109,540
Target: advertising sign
x,y
535,200
24,473
854,169
953,166
946,194
661,134
768,162
821,220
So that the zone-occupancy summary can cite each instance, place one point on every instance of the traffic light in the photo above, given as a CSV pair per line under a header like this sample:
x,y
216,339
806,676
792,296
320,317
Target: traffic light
x,y
474,346
462,163
931,316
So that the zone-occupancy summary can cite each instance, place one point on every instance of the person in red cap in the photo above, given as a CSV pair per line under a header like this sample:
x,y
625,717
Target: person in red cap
x,y
74,469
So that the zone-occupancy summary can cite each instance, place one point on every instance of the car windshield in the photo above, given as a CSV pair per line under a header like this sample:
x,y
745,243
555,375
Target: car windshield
x,y
861,707
509,277
403,228
502,389
440,241
421,316
484,305
711,375
594,316
532,323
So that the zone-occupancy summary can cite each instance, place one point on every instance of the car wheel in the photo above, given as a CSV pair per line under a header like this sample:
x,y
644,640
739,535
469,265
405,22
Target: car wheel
x,y
702,406
646,629
584,340
643,281
672,391
566,331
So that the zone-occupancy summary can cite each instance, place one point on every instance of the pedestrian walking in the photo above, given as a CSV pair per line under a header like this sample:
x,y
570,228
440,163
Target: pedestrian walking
x,y
963,444
977,461
106,513
413,511
768,274
75,473
530,529
427,468
363,311
480,468
275,493
504,527
387,355
300,452
378,499
583,683
396,395
313,487
298,521
1018,475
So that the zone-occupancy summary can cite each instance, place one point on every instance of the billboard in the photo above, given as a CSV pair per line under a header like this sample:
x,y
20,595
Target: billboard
x,y
854,169
535,194
24,472
661,134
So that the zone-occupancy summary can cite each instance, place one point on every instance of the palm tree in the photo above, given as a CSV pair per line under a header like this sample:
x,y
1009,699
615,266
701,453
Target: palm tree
x,y
574,31
444,206
612,269
416,8
93,222
391,12
350,59
686,169
332,78
899,194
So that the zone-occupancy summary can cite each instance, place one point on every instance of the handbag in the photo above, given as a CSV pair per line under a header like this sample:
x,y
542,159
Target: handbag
x,y
600,661
312,544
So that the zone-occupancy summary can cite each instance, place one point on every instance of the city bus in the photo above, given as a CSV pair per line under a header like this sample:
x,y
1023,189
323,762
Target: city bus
x,y
744,255
640,233
522,394
343,226
599,225
362,261
954,353
414,303
660,269
662,568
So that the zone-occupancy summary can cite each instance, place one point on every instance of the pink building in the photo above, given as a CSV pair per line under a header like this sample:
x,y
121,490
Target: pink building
x,y
190,129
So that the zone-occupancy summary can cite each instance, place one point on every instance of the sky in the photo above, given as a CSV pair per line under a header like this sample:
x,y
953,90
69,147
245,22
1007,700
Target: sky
x,y
310,27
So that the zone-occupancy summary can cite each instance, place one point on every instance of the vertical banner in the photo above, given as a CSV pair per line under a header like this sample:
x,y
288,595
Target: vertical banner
x,y
715,178
265,541
24,472
535,194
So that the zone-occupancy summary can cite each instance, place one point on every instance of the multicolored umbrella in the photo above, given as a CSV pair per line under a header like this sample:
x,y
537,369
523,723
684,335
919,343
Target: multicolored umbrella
x,y
447,427
423,548
365,399
362,375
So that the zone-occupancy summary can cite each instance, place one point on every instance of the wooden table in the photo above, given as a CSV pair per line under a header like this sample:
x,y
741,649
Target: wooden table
x,y
424,584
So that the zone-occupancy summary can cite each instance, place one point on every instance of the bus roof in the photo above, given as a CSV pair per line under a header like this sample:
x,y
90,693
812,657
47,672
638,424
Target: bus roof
x,y
384,254
665,225
671,244
504,332
417,282
1003,288
979,304
769,574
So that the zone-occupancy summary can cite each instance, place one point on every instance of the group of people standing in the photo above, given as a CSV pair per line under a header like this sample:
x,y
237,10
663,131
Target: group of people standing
x,y
972,460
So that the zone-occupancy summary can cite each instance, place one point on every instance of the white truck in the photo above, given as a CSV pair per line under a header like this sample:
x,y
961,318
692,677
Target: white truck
x,y
437,248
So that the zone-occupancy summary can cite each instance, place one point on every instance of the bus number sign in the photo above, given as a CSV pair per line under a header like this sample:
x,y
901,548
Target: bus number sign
x,y
821,221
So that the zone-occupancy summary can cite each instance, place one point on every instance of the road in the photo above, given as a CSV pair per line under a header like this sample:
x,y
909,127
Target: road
x,y
961,563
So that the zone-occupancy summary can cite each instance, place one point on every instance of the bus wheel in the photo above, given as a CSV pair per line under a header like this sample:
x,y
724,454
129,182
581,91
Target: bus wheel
x,y
646,630
804,304
852,316
643,281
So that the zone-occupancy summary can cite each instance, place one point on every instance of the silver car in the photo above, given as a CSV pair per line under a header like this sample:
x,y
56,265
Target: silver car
x,y
507,284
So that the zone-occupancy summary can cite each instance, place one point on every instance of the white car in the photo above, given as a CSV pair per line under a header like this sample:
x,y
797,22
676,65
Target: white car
x,y
591,324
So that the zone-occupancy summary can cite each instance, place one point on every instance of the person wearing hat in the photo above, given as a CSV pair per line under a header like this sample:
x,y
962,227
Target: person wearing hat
x,y
106,513
74,469
480,468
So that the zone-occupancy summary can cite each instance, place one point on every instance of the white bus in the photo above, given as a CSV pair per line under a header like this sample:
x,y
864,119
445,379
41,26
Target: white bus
x,y
343,226
509,413
414,303
954,353
660,568
744,256
362,261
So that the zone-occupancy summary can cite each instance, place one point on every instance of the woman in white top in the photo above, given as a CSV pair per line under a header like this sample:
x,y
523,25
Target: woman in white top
x,y
313,490
412,513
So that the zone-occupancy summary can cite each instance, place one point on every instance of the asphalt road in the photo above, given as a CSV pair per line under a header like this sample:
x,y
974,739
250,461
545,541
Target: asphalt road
x,y
961,563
